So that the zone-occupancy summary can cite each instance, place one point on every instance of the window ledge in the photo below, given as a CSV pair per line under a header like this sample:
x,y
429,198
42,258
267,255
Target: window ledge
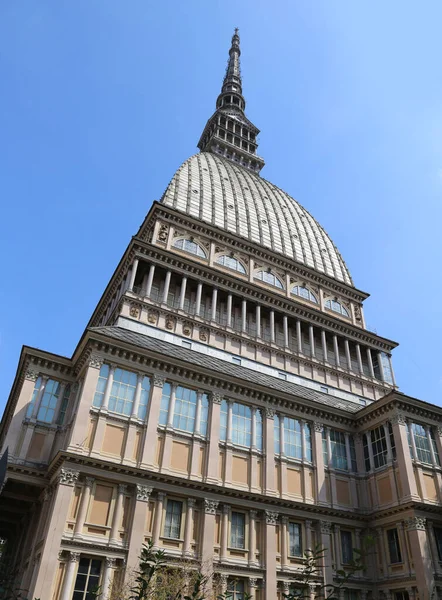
x,y
171,539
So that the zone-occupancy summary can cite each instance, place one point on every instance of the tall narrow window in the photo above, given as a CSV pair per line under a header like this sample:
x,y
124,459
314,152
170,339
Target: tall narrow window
x,y
144,398
223,421
338,450
393,546
295,540
366,452
31,404
438,538
185,409
292,438
346,547
64,405
101,386
236,590
172,527
379,447
241,425
238,530
204,414
164,407
423,443
46,410
276,436
258,429
123,392
87,582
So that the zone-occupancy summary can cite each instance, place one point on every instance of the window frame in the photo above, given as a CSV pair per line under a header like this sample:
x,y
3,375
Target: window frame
x,y
346,546
342,310
202,254
173,526
234,535
311,296
87,593
394,546
291,525
264,273
49,401
242,270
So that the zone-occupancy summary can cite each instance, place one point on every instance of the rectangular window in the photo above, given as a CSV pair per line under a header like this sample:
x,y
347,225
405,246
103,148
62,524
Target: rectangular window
x,y
87,581
101,386
401,595
31,404
172,527
276,434
438,538
144,398
393,546
204,414
64,405
292,438
185,409
238,530
165,400
241,425
338,450
351,594
424,443
295,540
379,447
46,410
223,421
235,590
366,452
346,547
354,464
123,392
388,375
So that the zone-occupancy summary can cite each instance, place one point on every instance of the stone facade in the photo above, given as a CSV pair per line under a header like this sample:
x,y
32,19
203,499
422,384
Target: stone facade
x,y
226,402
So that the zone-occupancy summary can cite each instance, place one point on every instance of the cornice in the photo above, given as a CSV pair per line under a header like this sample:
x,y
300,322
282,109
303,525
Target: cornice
x,y
393,403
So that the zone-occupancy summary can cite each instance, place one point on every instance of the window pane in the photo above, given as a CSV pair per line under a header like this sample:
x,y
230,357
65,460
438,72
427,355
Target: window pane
x,y
144,398
185,409
172,527
292,438
393,546
237,530
295,539
379,447
165,399
49,401
101,386
346,547
31,405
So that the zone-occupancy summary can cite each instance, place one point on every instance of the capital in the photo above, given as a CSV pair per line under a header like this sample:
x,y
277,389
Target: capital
x,y
210,506
68,477
144,492
216,397
95,361
325,527
122,488
89,482
319,427
111,562
271,517
74,557
416,523
270,412
31,374
253,582
158,380
398,419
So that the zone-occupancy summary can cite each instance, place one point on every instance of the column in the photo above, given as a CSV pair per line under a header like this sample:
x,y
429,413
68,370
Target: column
x,y
348,452
166,286
188,529
107,391
137,398
258,321
311,334
207,539
244,316
336,350
298,335
159,505
281,436
150,281
253,584
138,528
229,310
381,366
285,326
319,462
71,568
404,546
405,464
272,326
224,531
409,425
308,535
325,537
118,513
199,291
133,274
337,539
421,556
182,293
199,405
359,358
171,406
347,354
270,555
324,345
84,504
370,363
284,553
106,585
269,452
213,437
384,550
388,442
252,538
214,301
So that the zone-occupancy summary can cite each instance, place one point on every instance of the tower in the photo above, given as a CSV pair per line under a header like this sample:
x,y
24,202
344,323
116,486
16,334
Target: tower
x,y
226,401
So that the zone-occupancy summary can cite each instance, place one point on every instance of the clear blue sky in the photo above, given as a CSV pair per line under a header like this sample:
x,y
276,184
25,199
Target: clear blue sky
x,y
102,100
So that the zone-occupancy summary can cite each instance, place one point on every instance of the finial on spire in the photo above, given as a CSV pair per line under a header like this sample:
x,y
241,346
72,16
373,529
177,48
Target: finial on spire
x,y
228,132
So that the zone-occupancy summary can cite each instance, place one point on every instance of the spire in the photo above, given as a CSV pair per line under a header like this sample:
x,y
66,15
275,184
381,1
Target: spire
x,y
228,132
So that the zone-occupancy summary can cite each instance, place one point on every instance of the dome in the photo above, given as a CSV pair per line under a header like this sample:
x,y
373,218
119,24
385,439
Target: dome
x,y
228,196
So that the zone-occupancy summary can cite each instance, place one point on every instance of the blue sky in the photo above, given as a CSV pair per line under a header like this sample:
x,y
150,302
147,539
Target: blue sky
x,y
102,100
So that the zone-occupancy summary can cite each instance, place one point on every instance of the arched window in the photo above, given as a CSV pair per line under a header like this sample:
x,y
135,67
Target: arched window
x,y
337,307
230,262
270,278
304,293
190,247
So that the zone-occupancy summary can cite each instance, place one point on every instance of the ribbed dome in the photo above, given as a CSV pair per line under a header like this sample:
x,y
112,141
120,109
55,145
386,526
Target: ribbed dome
x,y
217,191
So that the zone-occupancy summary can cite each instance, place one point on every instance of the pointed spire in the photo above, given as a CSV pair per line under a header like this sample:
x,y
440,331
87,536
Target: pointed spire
x,y
233,71
228,132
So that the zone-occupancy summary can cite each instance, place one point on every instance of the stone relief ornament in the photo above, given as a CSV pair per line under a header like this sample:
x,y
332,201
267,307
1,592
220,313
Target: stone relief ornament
x,y
95,361
74,557
270,412
204,334
319,427
326,527
398,419
418,523
144,492
439,430
111,562
31,374
152,317
271,517
253,582
216,397
170,322
68,477
135,310
210,506
158,379
187,328
163,232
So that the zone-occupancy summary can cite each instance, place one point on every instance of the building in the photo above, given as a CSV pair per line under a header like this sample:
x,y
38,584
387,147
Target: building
x,y
226,401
